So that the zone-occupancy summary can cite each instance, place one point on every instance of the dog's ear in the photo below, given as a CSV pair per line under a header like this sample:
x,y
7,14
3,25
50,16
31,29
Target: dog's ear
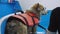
x,y
41,6
37,5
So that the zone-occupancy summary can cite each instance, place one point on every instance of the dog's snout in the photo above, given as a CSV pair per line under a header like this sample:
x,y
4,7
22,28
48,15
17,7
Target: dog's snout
x,y
44,12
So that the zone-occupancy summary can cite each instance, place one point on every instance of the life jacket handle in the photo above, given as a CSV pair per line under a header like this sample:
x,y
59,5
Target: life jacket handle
x,y
19,11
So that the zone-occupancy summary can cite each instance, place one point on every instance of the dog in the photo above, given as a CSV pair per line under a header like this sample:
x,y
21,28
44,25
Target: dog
x,y
16,27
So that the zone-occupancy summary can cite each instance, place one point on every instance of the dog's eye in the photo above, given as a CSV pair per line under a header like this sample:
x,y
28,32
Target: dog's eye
x,y
44,9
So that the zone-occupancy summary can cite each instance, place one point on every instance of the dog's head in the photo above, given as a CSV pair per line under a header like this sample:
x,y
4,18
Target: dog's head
x,y
39,9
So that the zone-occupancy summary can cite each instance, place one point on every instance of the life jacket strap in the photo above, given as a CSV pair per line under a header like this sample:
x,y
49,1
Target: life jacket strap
x,y
24,19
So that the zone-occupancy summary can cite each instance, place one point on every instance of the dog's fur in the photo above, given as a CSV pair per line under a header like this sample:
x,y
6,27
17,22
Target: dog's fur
x,y
37,9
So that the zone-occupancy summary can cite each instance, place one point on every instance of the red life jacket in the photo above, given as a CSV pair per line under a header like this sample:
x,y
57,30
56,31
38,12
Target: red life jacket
x,y
28,18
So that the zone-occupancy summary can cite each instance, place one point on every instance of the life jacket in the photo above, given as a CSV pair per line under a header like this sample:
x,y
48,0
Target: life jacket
x,y
29,19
